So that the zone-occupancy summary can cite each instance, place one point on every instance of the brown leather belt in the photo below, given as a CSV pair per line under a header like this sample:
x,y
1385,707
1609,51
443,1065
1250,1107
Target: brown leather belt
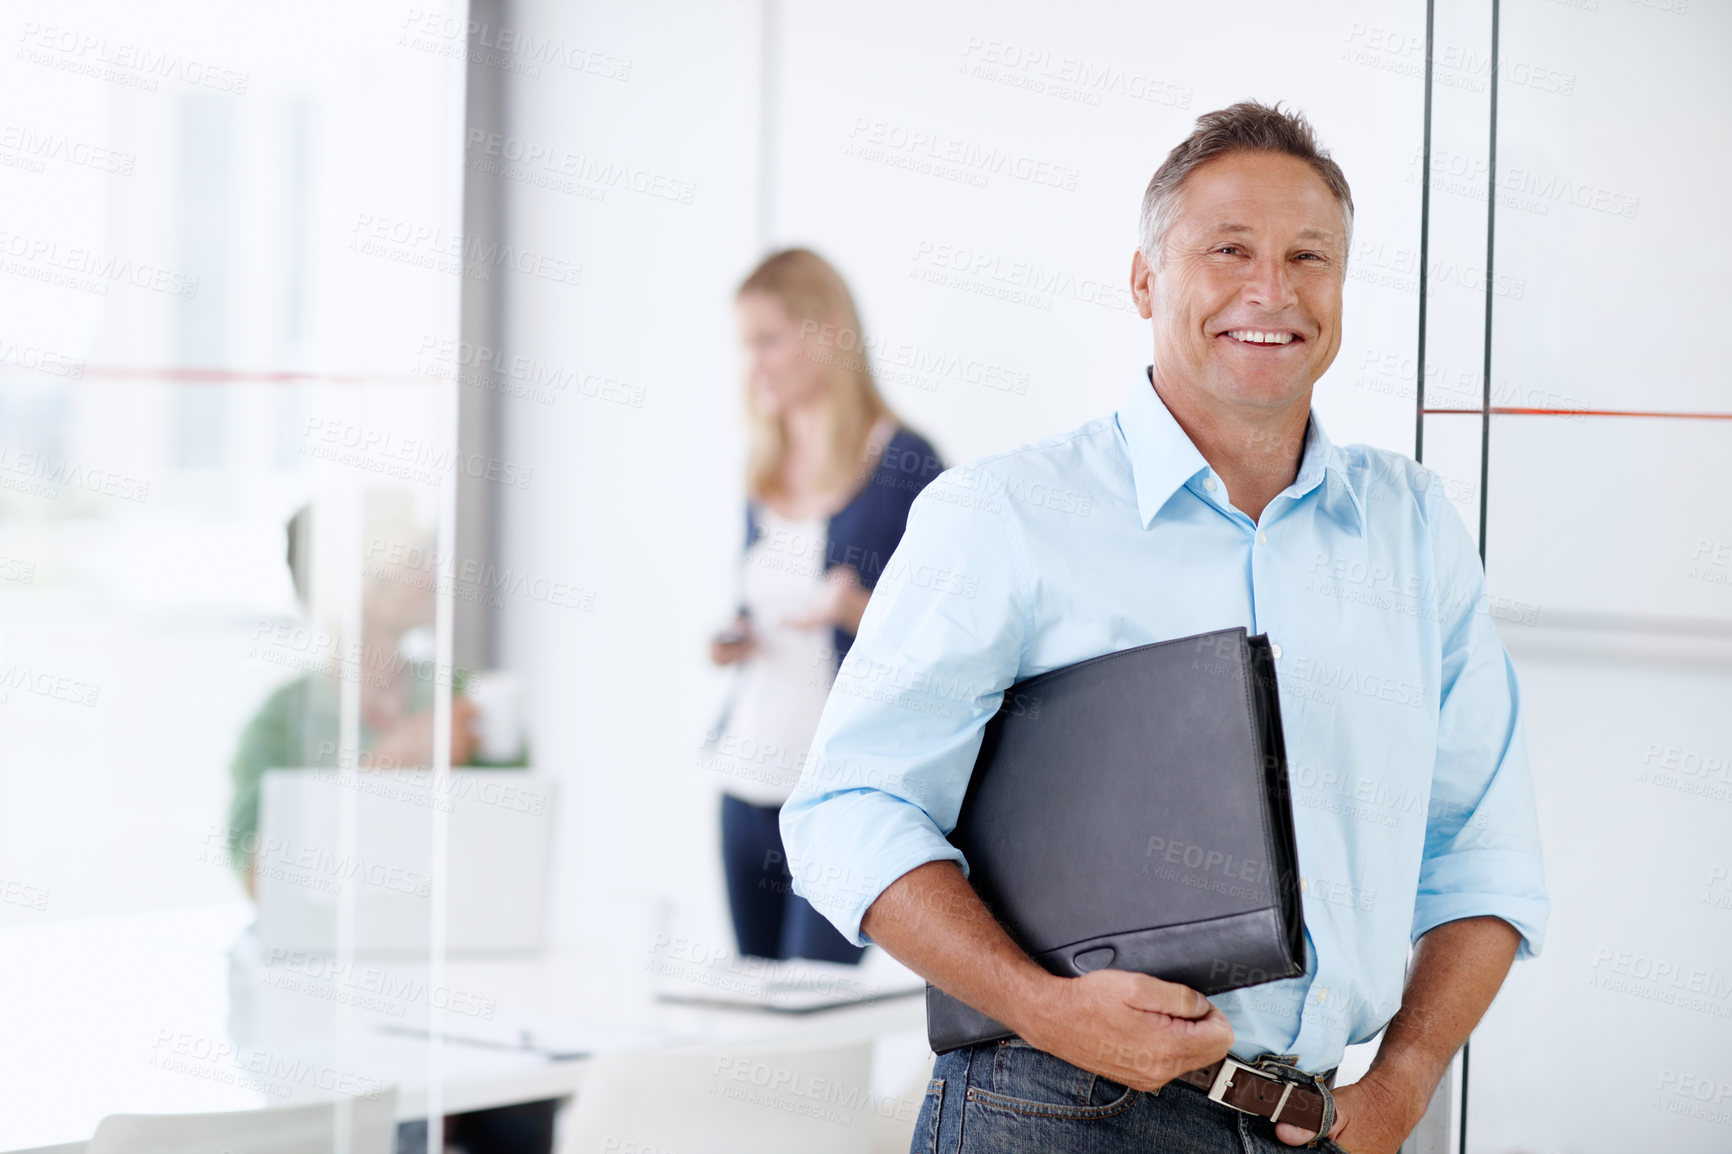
x,y
1279,1097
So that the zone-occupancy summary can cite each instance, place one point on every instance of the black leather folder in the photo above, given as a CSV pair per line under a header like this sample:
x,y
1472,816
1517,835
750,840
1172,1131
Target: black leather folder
x,y
1131,811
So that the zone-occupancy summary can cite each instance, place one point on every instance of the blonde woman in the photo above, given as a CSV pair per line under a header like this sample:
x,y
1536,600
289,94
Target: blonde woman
x,y
830,475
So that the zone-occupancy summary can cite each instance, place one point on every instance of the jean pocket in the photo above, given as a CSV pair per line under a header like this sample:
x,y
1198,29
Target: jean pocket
x,y
1025,1080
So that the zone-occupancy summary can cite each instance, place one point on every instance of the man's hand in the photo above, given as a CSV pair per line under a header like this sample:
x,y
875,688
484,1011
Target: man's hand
x,y
1372,1116
1136,1030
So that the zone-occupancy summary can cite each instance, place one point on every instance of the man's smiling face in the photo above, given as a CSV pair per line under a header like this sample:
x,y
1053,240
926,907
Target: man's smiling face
x,y
1247,302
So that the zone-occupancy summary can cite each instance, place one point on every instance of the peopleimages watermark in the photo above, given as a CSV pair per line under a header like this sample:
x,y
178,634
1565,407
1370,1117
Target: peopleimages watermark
x,y
720,968
17,571
1711,561
517,50
1524,189
1394,374
929,151
308,865
1717,890
410,458
18,677
23,895
911,363
1665,981
1377,586
475,580
1375,801
429,247
36,474
37,359
746,1079
1455,66
1685,770
368,987
525,377
1014,282
123,62
298,646
1397,268
86,269
26,148
1704,1097
1063,77
220,1060
421,786
562,170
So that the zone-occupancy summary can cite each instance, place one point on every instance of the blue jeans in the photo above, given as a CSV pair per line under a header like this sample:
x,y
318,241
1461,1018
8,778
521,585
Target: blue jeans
x,y
1010,1098
770,919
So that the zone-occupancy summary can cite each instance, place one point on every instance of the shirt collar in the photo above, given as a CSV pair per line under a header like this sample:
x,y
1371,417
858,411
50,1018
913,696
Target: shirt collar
x,y
1163,459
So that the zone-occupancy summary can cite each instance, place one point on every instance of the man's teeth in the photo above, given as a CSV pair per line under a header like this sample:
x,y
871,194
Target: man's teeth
x,y
1252,336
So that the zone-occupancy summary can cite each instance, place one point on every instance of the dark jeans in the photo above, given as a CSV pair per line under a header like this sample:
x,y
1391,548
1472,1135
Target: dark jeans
x,y
1010,1098
770,919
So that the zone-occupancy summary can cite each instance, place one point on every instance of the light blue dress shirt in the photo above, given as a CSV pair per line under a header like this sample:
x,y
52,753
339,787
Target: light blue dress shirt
x,y
1411,794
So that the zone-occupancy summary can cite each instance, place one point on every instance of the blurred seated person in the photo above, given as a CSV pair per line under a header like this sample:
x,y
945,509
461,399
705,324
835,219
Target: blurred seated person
x,y
297,726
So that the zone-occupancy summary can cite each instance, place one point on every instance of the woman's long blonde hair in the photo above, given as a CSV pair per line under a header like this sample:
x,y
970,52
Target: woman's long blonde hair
x,y
814,294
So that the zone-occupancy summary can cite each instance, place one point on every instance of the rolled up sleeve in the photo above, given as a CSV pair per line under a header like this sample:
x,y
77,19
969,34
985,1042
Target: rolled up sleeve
x,y
1482,847
941,639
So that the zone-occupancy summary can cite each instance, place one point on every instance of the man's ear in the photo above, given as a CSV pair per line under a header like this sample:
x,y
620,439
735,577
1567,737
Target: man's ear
x,y
1142,285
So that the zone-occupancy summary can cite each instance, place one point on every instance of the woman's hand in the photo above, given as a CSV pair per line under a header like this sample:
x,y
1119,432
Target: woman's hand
x,y
734,644
842,603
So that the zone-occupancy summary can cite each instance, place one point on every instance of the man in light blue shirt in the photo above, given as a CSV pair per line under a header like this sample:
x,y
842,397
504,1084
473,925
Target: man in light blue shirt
x,y
1212,498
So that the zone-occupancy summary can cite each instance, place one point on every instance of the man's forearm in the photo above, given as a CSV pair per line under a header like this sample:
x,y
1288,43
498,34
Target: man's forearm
x,y
1457,970
931,920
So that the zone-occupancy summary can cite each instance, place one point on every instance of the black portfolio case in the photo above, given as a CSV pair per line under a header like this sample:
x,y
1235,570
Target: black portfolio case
x,y
1131,811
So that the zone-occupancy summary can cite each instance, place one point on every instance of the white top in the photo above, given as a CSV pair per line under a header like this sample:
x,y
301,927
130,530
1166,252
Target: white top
x,y
782,687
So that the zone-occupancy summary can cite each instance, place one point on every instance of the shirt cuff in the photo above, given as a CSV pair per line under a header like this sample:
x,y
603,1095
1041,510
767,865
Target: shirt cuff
x,y
842,893
1484,883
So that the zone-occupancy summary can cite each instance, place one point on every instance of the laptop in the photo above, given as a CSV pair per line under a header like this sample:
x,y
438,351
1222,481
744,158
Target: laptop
x,y
500,826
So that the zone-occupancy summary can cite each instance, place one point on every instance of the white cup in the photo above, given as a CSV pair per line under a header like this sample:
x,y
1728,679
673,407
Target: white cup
x,y
498,698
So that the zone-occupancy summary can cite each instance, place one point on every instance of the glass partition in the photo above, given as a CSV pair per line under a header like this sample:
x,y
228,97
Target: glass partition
x,y
224,483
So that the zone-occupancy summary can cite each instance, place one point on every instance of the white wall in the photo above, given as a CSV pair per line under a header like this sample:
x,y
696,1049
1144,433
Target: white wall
x,y
635,498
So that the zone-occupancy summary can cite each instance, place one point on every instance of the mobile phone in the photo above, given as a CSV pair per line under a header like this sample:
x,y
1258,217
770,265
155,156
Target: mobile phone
x,y
733,635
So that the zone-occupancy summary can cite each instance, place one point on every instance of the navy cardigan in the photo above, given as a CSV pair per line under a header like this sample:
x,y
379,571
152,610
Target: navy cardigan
x,y
865,532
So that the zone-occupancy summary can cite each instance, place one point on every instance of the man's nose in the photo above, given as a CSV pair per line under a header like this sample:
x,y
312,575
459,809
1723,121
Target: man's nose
x,y
1268,283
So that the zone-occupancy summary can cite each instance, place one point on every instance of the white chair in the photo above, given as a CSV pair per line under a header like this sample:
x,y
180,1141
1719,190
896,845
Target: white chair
x,y
726,1100
370,1128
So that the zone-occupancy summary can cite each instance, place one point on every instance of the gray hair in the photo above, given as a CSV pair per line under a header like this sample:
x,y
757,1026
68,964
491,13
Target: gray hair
x,y
1243,127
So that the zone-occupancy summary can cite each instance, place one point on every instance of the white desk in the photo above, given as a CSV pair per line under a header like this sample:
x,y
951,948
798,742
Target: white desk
x,y
166,1013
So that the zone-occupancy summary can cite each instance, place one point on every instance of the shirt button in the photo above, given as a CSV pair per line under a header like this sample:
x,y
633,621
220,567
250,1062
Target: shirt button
x,y
1262,537
1209,484
1274,650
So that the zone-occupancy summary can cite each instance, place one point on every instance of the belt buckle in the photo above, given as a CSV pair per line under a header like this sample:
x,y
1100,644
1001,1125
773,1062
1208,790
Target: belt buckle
x,y
1224,1078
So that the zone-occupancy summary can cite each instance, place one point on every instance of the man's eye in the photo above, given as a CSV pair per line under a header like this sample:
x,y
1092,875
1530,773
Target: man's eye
x,y
1233,248
1310,256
